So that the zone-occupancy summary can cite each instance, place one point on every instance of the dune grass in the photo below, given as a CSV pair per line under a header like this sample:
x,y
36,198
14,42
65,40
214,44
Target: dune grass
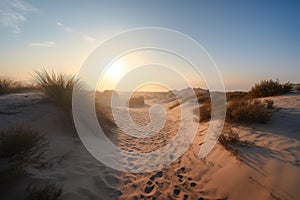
x,y
48,192
57,87
18,139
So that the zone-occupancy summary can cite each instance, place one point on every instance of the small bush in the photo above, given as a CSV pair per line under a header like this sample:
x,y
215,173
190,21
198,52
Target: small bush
x,y
49,192
58,88
269,103
268,88
8,86
205,111
203,98
230,96
17,139
241,111
228,137
136,101
246,111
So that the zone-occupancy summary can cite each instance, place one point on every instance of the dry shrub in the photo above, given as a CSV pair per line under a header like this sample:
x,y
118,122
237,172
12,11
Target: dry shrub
x,y
228,137
268,88
203,98
241,111
8,86
136,101
18,139
205,111
246,111
230,96
269,103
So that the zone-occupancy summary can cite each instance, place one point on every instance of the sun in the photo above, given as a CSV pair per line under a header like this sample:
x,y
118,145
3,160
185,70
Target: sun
x,y
115,71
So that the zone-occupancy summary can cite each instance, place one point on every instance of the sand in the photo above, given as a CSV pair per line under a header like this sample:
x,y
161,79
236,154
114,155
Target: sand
x,y
266,168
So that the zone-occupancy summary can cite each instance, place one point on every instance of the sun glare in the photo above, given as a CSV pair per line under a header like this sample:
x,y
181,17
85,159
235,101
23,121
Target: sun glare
x,y
115,71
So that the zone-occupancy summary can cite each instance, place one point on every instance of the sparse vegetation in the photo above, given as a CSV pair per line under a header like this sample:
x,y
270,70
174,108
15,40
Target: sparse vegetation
x,y
205,111
8,86
230,96
203,98
269,103
48,192
246,111
17,139
268,88
241,111
57,87
228,137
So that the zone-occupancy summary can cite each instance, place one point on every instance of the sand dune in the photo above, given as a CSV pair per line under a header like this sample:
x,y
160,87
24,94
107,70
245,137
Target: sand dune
x,y
265,168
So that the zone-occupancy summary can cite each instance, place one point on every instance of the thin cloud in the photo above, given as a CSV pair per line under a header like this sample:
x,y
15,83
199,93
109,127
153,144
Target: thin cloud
x,y
89,38
13,13
86,37
42,44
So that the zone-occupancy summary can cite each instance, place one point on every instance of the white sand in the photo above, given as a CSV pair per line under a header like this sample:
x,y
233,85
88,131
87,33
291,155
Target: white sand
x,y
269,169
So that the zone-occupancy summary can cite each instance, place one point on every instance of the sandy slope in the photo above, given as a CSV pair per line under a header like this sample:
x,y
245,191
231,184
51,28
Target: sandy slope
x,y
267,169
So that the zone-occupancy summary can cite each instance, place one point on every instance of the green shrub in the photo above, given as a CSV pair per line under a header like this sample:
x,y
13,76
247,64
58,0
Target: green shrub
x,y
57,87
268,88
17,139
48,192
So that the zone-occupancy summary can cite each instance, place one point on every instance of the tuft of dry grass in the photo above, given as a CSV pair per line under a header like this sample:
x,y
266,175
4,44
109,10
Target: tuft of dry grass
x,y
57,87
48,192
228,137
18,139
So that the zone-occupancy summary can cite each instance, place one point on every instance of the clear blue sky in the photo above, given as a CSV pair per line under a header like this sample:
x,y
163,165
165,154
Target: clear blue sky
x,y
249,41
